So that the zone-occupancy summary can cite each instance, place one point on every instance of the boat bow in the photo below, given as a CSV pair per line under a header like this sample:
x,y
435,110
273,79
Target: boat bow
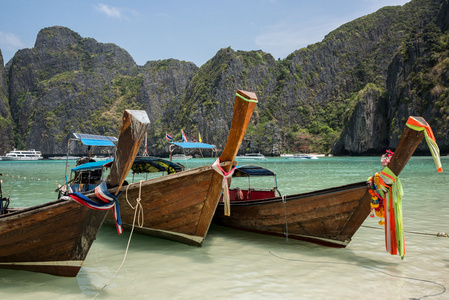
x,y
329,217
55,237
180,206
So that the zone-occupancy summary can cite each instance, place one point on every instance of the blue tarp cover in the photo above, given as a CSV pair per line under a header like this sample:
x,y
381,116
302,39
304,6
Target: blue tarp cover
x,y
194,145
96,140
251,170
95,165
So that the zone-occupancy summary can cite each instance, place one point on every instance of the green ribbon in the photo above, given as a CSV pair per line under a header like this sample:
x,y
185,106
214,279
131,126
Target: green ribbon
x,y
397,193
247,100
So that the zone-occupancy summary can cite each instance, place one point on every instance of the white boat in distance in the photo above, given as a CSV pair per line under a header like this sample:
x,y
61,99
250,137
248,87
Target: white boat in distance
x,y
299,156
23,155
64,157
251,157
181,157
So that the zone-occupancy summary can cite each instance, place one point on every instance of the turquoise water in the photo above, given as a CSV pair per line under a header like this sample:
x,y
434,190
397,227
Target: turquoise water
x,y
240,265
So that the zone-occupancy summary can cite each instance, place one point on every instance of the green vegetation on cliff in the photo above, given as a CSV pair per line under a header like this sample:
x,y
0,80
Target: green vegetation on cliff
x,y
350,92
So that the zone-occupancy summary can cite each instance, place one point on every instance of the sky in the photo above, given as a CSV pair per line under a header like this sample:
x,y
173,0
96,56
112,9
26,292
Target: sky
x,y
189,30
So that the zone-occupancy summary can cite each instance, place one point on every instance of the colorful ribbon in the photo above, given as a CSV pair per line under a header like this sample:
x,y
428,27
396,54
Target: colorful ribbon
x,y
386,192
225,185
394,228
109,201
430,139
386,189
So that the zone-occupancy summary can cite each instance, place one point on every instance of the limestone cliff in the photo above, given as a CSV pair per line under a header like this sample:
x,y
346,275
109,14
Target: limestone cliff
x,y
351,93
417,84
6,123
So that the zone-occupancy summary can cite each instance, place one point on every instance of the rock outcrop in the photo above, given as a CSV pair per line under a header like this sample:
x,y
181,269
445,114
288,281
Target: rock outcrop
x,y
6,122
351,93
417,85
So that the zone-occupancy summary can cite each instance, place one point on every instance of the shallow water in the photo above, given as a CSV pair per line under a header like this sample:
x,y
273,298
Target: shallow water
x,y
239,265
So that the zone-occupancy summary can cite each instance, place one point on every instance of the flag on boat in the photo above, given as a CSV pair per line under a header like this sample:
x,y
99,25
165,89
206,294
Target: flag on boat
x,y
168,137
184,138
199,138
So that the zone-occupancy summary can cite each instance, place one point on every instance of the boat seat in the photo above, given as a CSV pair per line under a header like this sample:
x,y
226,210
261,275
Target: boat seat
x,y
239,194
252,194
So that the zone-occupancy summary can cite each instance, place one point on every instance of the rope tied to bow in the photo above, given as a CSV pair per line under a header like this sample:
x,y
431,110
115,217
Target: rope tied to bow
x,y
225,185
138,209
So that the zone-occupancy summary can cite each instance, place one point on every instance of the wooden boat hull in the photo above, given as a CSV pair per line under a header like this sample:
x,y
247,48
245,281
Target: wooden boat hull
x,y
55,237
178,207
181,206
52,238
328,217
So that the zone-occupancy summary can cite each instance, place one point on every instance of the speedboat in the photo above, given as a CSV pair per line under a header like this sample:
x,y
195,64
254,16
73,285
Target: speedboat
x,y
251,157
301,156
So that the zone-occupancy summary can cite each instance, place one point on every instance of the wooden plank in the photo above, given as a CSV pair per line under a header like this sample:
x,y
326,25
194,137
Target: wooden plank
x,y
243,111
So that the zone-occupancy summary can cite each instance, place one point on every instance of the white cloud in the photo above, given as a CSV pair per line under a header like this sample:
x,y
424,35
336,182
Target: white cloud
x,y
115,12
10,41
110,11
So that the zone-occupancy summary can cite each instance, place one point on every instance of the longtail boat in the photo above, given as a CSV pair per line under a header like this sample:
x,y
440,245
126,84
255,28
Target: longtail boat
x,y
180,206
55,237
328,217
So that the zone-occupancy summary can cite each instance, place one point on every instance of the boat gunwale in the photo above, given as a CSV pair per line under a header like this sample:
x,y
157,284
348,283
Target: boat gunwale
x,y
293,197
20,210
171,176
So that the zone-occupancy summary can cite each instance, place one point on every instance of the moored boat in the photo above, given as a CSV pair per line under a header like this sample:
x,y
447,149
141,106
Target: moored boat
x,y
251,157
150,164
23,155
189,146
64,157
55,237
87,176
180,206
89,170
299,156
329,217
181,157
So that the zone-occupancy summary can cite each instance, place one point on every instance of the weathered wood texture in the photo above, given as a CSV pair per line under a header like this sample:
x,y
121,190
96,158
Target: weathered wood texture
x,y
180,206
320,216
329,217
55,237
408,143
135,124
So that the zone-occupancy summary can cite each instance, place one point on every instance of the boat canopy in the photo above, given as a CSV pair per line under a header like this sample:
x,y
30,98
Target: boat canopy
x,y
189,145
95,165
252,170
96,140
149,164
